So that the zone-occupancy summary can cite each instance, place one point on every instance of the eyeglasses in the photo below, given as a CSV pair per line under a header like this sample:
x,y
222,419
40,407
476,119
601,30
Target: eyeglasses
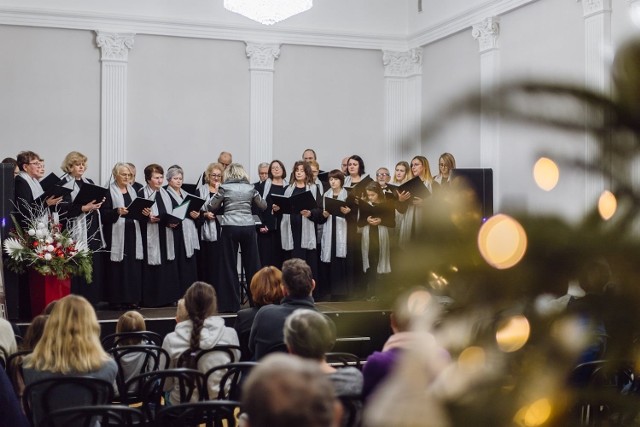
x,y
215,175
442,164
382,174
126,175
37,163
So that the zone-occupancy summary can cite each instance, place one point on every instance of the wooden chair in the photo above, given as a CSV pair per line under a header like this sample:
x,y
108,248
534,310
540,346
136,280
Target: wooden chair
x,y
88,416
233,376
152,386
338,360
144,358
143,337
59,392
233,351
216,413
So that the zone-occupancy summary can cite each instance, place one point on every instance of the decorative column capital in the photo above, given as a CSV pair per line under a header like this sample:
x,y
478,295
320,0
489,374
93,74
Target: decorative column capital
x,y
262,56
402,64
114,46
594,7
487,32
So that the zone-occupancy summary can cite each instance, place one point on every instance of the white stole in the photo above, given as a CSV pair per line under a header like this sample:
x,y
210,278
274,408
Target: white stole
x,y
308,240
78,225
117,230
189,231
153,229
341,232
267,187
384,264
34,185
208,232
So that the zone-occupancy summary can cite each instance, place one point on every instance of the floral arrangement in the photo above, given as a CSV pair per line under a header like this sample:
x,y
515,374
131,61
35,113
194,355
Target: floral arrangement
x,y
48,249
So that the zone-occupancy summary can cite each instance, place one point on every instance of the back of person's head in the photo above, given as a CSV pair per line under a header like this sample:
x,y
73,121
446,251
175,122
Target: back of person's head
x,y
34,332
409,305
181,311
287,391
266,286
594,275
131,321
235,172
297,278
49,307
309,334
200,302
71,339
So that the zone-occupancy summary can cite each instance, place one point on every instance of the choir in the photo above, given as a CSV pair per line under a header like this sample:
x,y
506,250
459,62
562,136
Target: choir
x,y
152,240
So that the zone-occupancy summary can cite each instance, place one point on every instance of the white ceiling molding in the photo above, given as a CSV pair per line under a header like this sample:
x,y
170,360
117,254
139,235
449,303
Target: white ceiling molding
x,y
53,18
464,21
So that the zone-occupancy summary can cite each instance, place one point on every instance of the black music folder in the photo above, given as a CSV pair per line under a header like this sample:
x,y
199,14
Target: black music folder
x,y
190,188
136,207
53,188
195,202
295,204
177,215
90,192
333,206
360,188
416,187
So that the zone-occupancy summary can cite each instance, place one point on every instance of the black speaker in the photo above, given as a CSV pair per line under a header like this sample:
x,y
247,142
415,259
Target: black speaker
x,y
7,190
480,180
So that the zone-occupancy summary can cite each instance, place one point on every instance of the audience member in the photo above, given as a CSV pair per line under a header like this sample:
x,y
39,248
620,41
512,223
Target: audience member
x,y
203,330
31,338
266,288
70,346
287,391
311,335
10,410
8,344
181,311
131,364
266,332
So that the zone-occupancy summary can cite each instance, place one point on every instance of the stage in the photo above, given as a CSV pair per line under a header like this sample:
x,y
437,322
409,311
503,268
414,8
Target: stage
x,y
362,326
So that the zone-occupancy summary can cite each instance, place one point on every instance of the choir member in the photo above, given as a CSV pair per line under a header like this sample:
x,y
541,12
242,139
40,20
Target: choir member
x,y
160,280
210,253
124,241
269,240
85,224
28,188
355,174
446,163
411,205
401,173
185,234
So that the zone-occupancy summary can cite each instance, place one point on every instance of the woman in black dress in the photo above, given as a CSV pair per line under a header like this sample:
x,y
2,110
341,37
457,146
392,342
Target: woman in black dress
x,y
85,224
210,253
185,235
124,242
269,242
160,283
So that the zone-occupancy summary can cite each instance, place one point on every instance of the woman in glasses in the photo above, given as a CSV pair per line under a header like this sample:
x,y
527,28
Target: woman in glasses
x,y
269,241
28,190
210,253
446,163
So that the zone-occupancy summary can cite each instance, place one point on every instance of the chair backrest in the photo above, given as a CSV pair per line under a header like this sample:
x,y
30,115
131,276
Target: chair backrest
x,y
352,410
14,370
144,337
339,360
151,386
88,416
63,391
233,351
230,378
217,413
133,360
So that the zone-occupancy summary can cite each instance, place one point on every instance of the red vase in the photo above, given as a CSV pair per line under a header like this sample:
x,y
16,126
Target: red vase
x,y
44,289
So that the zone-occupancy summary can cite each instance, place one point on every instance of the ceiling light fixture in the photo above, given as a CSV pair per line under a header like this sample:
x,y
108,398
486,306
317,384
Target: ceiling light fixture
x,y
268,12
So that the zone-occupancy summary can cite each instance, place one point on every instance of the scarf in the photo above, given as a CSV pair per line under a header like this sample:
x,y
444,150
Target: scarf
x,y
411,215
348,183
320,186
267,187
117,231
341,232
308,239
209,231
79,225
153,229
34,185
384,266
189,231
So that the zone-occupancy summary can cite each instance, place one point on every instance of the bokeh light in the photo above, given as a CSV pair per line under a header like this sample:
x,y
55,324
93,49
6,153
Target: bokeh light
x,y
535,414
546,173
502,241
513,334
472,357
607,205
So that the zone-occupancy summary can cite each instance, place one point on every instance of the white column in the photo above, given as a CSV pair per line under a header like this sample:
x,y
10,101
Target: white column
x,y
597,41
403,104
113,92
486,33
261,66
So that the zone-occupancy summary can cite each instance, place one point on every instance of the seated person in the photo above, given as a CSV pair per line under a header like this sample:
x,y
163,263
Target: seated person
x,y
287,391
131,364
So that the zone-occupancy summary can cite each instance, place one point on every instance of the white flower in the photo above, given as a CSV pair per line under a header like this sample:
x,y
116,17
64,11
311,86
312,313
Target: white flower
x,y
48,240
50,248
31,232
40,233
47,256
12,245
41,225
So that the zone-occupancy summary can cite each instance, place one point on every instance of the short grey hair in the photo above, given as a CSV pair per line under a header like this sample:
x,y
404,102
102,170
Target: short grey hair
x,y
173,171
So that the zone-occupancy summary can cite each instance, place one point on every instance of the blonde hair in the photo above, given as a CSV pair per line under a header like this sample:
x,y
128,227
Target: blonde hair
x,y
211,168
235,171
426,172
131,321
407,172
181,311
73,158
118,166
70,341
